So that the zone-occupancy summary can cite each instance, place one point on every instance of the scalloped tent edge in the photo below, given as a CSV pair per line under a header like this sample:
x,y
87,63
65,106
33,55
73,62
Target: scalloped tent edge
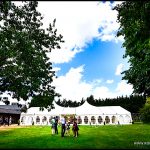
x,y
86,113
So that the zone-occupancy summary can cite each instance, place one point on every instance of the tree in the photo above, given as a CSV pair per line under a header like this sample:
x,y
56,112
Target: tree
x,y
134,20
90,99
24,109
145,113
7,102
25,69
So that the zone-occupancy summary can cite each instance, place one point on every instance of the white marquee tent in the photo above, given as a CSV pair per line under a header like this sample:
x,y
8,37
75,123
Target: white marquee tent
x,y
85,114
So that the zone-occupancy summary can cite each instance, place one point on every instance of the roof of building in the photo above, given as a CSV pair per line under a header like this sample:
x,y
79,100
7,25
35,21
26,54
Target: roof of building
x,y
10,109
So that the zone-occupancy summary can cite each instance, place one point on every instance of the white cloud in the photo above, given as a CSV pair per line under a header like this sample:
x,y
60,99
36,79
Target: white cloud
x,y
70,86
79,23
56,69
109,81
2,103
119,69
103,92
116,3
63,55
123,88
96,82
9,96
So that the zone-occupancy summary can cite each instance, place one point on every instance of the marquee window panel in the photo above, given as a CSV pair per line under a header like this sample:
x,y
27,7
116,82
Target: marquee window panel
x,y
114,119
93,120
37,119
100,120
107,120
86,120
127,119
23,120
79,120
44,119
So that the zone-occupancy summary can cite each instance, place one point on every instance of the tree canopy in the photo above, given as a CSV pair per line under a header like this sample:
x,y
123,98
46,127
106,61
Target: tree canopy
x,y
134,19
25,69
132,103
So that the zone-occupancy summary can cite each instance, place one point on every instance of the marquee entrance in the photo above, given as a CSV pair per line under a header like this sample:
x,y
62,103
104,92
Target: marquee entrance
x,y
69,117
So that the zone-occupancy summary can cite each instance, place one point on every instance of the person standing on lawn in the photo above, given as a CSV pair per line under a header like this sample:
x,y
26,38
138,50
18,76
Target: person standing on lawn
x,y
75,128
63,126
56,124
53,125
68,128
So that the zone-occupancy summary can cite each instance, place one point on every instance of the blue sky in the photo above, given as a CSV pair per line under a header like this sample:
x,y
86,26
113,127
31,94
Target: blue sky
x,y
100,60
91,59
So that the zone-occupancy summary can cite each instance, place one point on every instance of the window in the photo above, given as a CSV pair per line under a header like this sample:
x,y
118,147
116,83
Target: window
x,y
37,119
79,120
44,119
30,120
121,120
23,120
127,119
85,119
50,118
100,120
107,120
93,120
113,119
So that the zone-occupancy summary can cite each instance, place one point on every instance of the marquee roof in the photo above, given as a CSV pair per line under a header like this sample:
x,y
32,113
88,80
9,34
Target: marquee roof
x,y
85,108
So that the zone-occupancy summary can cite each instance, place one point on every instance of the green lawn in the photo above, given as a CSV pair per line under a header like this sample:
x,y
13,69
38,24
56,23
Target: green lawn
x,y
136,136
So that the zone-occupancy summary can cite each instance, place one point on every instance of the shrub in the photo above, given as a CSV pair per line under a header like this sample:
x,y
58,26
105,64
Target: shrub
x,y
145,114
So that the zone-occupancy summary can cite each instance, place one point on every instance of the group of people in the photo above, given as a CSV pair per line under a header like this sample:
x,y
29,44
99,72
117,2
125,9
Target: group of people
x,y
6,120
65,127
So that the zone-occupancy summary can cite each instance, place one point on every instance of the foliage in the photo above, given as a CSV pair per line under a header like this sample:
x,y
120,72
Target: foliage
x,y
25,69
42,101
147,101
24,109
145,113
7,102
134,20
132,103
69,103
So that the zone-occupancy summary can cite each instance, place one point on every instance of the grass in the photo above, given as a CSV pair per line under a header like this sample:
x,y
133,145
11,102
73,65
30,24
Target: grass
x,y
101,137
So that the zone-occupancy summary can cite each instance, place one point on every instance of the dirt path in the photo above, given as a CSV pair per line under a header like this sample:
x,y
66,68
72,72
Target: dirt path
x,y
6,127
